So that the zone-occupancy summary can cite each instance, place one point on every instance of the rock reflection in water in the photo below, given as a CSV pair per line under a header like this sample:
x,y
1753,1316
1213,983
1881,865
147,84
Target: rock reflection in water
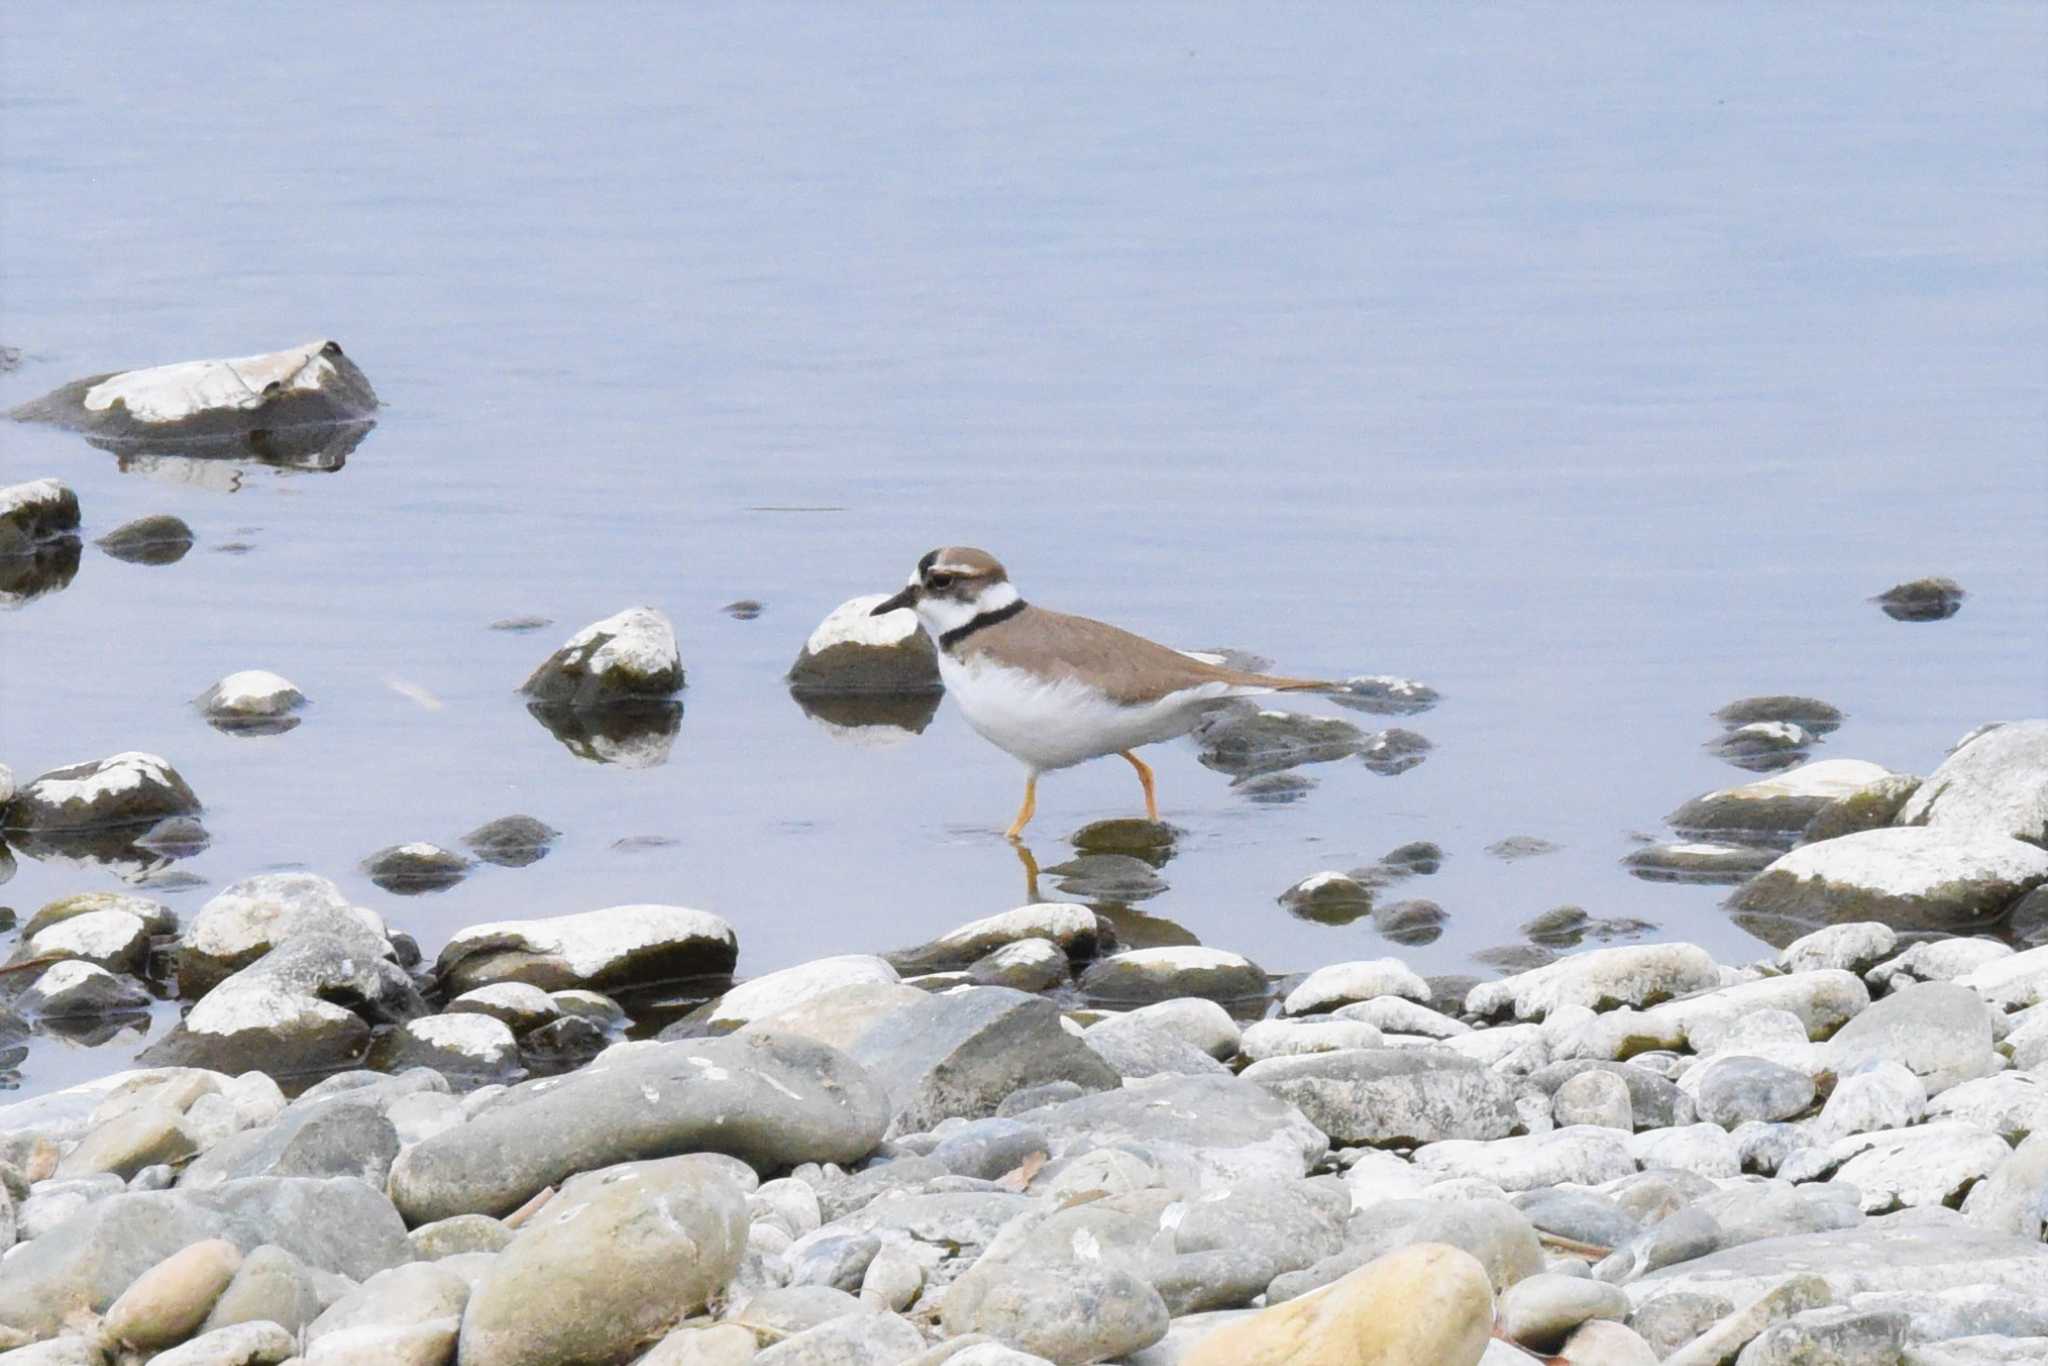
x,y
123,851
47,569
222,466
871,720
632,735
1137,930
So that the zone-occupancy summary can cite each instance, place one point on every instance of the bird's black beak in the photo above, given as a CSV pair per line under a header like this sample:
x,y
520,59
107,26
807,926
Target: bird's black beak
x,y
907,598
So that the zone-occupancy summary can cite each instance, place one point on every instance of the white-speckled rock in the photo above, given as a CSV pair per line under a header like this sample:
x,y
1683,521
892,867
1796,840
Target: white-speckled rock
x,y
1852,947
2013,983
78,990
629,656
1397,1015
35,512
251,695
1633,975
2011,1104
466,1044
617,946
1783,802
1073,927
1583,1155
1909,877
855,651
1824,1000
116,940
1705,1149
125,789
1285,1038
1882,1095
1935,960
1997,783
1341,984
520,1006
249,918
789,987
1928,1164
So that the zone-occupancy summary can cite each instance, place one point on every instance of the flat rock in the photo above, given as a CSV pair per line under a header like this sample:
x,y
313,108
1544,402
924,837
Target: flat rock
x,y
614,947
1341,984
1929,599
1927,1164
854,651
613,1262
1580,1155
310,385
1698,861
773,1101
1898,1253
630,656
1392,1095
1939,1031
1908,877
1211,1131
1781,804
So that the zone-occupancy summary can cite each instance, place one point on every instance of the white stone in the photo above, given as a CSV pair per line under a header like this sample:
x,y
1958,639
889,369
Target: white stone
x,y
1584,1155
1824,999
1195,1021
1906,862
1284,1038
853,622
777,991
1398,1015
1343,983
642,644
172,393
2011,983
101,937
1850,946
1632,974
1885,1095
1706,1149
591,941
1929,1164
1995,783
108,777
262,911
2011,1104
253,693
1510,1048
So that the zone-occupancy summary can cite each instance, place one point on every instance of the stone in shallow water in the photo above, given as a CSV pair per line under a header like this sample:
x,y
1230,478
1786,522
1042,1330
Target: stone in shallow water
x,y
468,1045
634,733
1812,713
1870,807
249,918
252,700
1247,741
1907,877
854,651
630,656
126,789
409,869
1394,751
1698,861
155,540
1931,599
34,513
310,385
512,841
1076,929
1781,804
1142,976
1329,897
76,990
1152,841
1385,695
1764,745
1107,877
617,946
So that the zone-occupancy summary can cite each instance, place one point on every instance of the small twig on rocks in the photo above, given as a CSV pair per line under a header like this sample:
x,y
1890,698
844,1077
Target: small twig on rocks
x,y
1573,1245
25,965
530,1208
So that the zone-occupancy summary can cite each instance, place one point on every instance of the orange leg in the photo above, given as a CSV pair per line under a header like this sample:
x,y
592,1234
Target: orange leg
x,y
1145,777
1031,896
1030,807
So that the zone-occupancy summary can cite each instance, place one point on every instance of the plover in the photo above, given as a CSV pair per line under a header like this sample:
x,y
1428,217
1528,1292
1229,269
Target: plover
x,y
1056,690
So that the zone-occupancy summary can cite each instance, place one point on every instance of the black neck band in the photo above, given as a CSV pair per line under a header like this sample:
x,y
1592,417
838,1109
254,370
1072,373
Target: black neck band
x,y
960,633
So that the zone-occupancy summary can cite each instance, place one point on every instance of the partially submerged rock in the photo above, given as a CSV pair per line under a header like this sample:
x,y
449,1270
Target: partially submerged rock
x,y
1243,740
512,841
156,540
1385,695
1906,877
409,869
1781,804
1810,713
1931,599
213,401
628,657
34,514
855,651
127,789
252,702
615,947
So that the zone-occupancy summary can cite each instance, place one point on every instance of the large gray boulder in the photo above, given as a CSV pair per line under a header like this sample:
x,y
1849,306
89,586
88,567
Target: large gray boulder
x,y
963,1053
1631,975
609,1265
211,401
1908,877
630,656
1896,1253
34,513
773,1101
618,946
126,789
1939,1031
855,651
1392,1096
1996,784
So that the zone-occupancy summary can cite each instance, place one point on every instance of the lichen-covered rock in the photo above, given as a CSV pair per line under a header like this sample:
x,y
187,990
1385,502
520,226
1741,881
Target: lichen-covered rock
x,y
35,512
615,947
1342,984
1906,877
628,657
1697,861
1997,784
74,990
1143,976
156,540
253,700
855,651
1781,804
313,384
126,789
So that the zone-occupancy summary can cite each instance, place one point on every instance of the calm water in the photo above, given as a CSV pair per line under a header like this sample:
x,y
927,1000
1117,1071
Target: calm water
x,y
1593,364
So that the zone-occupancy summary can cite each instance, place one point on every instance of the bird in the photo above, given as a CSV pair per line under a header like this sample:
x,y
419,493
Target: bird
x,y
1055,690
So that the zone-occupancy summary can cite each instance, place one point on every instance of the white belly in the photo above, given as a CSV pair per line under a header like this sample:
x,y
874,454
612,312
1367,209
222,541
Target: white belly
x,y
1057,724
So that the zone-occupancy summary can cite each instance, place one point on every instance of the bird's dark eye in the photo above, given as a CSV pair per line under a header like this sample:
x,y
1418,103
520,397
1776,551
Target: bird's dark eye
x,y
938,583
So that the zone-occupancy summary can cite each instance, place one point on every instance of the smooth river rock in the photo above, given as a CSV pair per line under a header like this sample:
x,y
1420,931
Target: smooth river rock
x,y
126,789
630,656
855,651
604,949
1908,877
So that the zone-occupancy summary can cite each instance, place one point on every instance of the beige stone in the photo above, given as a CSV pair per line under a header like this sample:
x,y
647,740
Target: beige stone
x,y
1429,1302
168,1302
726,1344
1601,1343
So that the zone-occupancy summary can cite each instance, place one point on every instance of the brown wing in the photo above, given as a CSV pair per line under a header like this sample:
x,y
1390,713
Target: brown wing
x,y
1130,668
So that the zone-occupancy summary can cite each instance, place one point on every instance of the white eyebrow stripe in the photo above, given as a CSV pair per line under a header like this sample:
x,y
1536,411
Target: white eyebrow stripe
x,y
966,569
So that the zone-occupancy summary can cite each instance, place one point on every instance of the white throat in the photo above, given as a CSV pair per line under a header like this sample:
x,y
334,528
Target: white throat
x,y
941,615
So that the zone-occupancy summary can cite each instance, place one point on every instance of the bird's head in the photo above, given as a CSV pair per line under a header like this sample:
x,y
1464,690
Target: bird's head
x,y
952,586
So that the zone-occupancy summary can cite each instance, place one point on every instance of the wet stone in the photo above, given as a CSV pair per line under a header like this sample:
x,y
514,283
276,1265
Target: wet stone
x,y
252,701
1410,923
1698,861
34,513
854,651
614,947
467,1045
1394,751
126,789
1245,741
155,540
1778,806
1810,712
1152,841
409,869
1931,599
1107,877
512,841
1764,745
1520,847
630,656
1385,695
1329,897
78,990
1142,976
1907,877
